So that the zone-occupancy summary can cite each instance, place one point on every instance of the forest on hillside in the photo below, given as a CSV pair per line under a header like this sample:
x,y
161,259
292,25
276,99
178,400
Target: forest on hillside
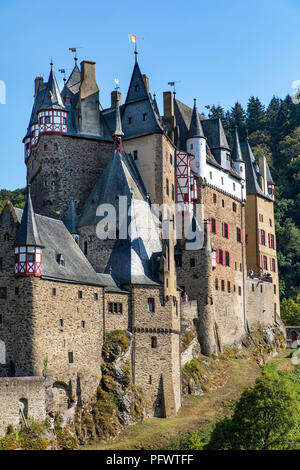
x,y
274,131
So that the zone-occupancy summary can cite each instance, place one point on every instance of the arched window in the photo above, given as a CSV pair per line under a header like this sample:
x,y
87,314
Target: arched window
x,y
6,236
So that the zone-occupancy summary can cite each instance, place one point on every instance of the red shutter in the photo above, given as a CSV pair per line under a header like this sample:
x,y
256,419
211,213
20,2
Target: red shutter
x,y
223,229
228,231
216,226
218,255
210,224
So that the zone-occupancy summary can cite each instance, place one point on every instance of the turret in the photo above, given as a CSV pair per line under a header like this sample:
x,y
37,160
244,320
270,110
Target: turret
x,y
118,133
196,144
52,114
238,161
28,245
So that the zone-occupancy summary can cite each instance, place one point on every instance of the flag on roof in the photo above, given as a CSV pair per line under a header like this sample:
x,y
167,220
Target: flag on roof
x,y
72,49
171,83
207,106
131,38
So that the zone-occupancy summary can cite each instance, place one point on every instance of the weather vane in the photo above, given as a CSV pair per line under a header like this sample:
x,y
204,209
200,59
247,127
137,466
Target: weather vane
x,y
116,80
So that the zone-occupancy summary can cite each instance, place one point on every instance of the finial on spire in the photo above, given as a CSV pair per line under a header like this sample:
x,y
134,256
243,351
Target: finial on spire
x,y
51,63
118,134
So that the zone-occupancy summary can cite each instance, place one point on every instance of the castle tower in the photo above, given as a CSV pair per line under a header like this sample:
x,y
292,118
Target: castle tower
x,y
28,246
196,144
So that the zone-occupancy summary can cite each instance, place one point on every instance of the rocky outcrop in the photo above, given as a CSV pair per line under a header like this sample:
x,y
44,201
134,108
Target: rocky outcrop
x,y
117,402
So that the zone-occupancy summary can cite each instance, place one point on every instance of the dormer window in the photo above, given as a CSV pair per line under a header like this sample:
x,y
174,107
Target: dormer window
x,y
136,87
144,116
60,259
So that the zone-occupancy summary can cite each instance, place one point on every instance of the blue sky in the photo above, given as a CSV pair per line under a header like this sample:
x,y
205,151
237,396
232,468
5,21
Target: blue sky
x,y
220,51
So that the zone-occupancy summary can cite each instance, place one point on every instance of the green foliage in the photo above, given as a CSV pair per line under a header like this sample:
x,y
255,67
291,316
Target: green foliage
x,y
290,311
266,417
17,198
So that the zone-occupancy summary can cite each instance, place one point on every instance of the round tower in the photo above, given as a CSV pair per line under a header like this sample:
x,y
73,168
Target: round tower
x,y
196,144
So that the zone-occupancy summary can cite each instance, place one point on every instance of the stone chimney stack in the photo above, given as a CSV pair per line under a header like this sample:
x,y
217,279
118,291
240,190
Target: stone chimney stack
x,y
146,82
169,114
37,82
115,98
88,102
263,173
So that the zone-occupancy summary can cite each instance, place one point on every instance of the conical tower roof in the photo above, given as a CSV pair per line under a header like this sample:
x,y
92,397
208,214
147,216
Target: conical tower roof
x,y
236,148
52,97
71,218
195,129
28,234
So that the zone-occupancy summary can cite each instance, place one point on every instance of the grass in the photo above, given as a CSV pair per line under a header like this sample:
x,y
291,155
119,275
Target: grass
x,y
283,360
195,413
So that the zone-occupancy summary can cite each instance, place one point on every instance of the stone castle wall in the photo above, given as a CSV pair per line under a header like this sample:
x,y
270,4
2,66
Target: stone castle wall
x,y
25,392
70,172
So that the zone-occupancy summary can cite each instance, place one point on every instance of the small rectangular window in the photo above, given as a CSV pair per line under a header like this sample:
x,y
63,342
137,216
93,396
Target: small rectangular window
x,y
192,262
17,290
110,307
216,284
151,305
167,186
178,261
82,324
70,356
234,207
130,120
3,292
227,258
228,286
225,230
223,285
153,342
215,198
96,297
135,155
240,290
223,203
54,292
80,294
61,322
144,116
210,175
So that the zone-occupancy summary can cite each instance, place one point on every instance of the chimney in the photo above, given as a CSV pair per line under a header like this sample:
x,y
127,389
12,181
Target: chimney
x,y
146,82
115,98
37,82
263,173
88,79
169,115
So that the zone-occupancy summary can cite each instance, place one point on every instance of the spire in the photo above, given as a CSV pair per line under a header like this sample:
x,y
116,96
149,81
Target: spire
x,y
71,218
118,133
28,234
52,98
195,126
236,148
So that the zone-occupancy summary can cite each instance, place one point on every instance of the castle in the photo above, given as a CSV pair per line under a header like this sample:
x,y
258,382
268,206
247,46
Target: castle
x,y
63,287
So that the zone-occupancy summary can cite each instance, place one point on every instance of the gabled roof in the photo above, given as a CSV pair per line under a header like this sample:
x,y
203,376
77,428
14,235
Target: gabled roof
x,y
56,239
252,172
195,129
137,105
28,234
52,97
236,148
214,132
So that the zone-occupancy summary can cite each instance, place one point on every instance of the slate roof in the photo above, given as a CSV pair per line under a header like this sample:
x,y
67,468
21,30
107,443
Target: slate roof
x,y
36,105
52,97
195,129
236,148
214,132
71,218
138,103
252,172
28,233
71,91
56,239
269,176
133,259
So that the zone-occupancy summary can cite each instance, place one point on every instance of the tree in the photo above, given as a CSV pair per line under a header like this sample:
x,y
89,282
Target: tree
x,y
290,311
237,118
256,117
217,112
265,417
